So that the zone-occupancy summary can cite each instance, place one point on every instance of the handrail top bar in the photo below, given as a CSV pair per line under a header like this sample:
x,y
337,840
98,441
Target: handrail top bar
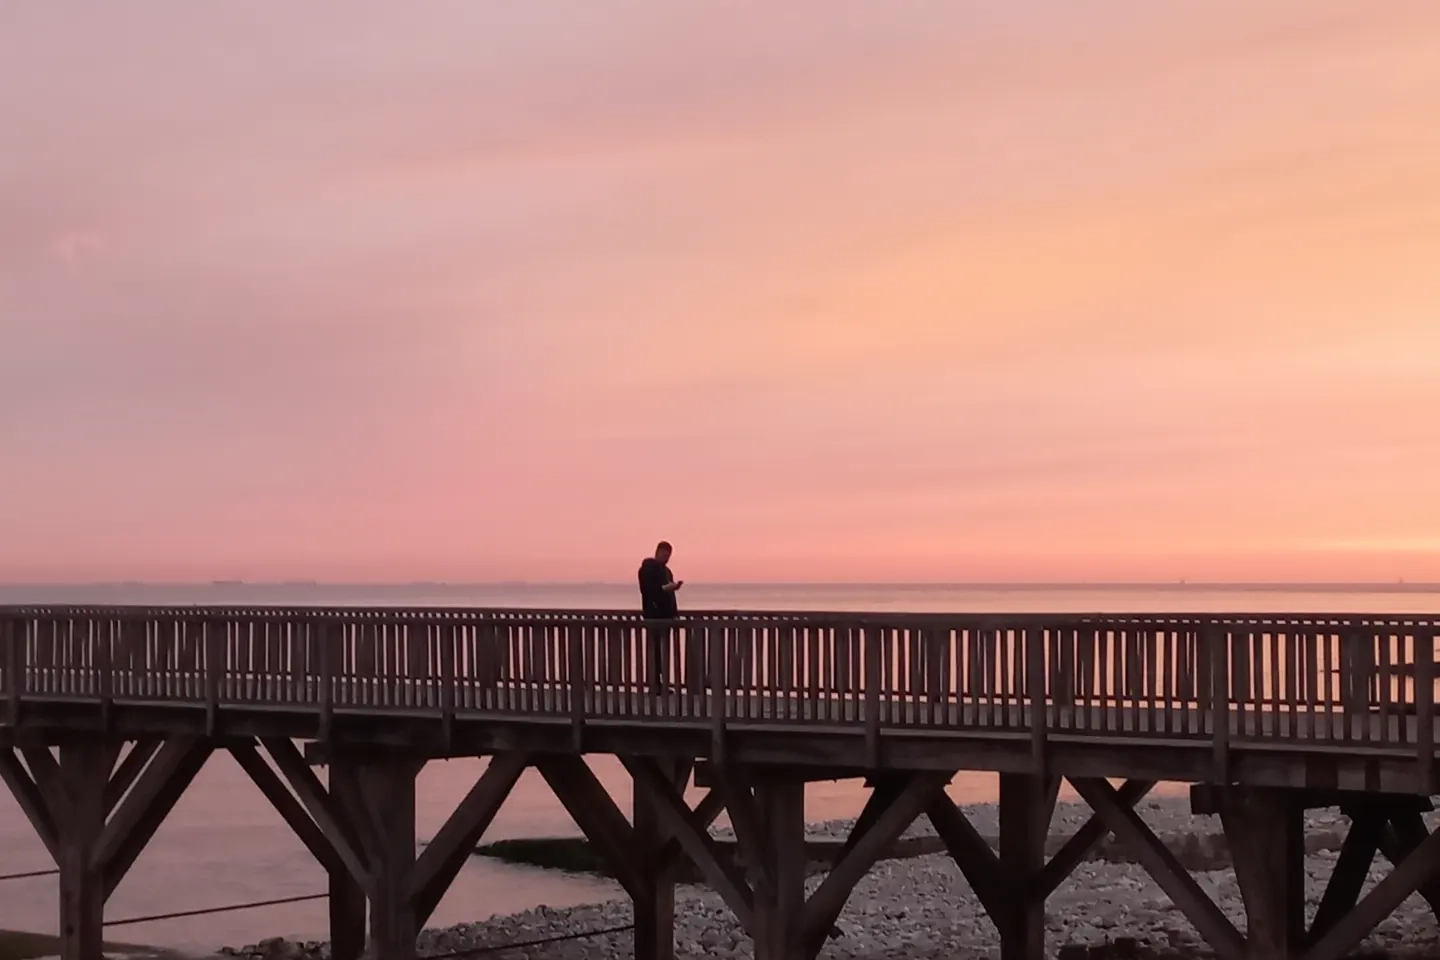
x,y
578,616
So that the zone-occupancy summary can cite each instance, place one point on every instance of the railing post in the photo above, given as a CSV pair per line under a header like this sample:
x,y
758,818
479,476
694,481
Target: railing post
x,y
871,636
13,633
1425,709
1035,674
574,642
214,671
448,636
327,633
714,639
1214,637
104,632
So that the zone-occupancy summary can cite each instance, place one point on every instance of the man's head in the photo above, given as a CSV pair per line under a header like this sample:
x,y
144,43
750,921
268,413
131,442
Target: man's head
x,y
663,551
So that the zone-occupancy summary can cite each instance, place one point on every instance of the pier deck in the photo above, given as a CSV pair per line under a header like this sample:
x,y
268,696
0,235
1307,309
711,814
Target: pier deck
x,y
107,713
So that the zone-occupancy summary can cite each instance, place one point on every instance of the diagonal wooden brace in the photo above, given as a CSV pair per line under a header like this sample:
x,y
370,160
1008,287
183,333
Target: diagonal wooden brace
x,y
1162,866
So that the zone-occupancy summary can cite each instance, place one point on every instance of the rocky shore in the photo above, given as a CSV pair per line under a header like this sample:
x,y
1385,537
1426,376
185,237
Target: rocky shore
x,y
921,908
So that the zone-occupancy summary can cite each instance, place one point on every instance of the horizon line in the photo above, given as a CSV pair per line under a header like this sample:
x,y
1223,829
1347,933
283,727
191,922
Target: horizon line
x,y
1388,585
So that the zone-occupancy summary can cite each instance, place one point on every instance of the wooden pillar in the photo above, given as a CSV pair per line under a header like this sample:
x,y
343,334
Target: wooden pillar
x,y
1265,832
655,909
654,914
780,887
379,790
347,916
81,811
1026,805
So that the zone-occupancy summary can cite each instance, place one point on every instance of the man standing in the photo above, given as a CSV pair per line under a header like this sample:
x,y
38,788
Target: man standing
x,y
657,602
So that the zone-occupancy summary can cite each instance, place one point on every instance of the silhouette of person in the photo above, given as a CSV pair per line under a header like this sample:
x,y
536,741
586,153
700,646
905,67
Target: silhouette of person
x,y
658,603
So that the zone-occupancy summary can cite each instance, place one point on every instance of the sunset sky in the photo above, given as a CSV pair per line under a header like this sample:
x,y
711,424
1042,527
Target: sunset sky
x,y
1015,289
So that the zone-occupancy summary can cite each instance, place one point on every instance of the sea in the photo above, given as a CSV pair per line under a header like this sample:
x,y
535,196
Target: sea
x,y
224,845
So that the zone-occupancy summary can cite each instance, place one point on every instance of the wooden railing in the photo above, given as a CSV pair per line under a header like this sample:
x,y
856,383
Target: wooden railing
x,y
1358,680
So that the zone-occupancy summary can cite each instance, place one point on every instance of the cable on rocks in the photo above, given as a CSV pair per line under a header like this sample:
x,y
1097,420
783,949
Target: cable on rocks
x,y
28,874
228,908
539,941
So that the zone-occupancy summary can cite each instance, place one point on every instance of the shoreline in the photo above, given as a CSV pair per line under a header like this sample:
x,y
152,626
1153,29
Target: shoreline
x,y
920,907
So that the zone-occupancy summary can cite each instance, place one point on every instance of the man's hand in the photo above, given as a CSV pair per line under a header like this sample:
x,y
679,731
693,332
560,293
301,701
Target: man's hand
x,y
674,585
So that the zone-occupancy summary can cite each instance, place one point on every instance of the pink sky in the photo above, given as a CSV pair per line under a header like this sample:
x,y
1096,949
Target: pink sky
x,y
851,290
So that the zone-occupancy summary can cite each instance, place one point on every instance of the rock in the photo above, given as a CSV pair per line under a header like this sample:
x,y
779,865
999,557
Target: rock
x,y
922,909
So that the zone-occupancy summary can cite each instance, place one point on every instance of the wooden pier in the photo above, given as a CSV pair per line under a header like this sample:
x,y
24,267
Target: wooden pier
x,y
106,716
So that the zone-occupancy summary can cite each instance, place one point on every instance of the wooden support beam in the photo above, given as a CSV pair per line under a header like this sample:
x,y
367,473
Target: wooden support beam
x,y
438,865
883,793
706,811
780,899
751,832
1347,880
45,771
1205,799
1379,903
1163,867
1027,804
655,912
347,893
973,855
84,769
903,802
145,807
1265,832
323,809
682,823
1084,840
595,813
31,800
347,795
1407,831
291,810
140,754
347,908
384,789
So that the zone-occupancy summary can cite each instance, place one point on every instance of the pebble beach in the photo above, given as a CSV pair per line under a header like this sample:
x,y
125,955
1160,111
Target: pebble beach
x,y
922,908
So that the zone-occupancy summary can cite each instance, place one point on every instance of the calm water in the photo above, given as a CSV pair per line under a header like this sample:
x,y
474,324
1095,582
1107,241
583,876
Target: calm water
x,y
224,845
